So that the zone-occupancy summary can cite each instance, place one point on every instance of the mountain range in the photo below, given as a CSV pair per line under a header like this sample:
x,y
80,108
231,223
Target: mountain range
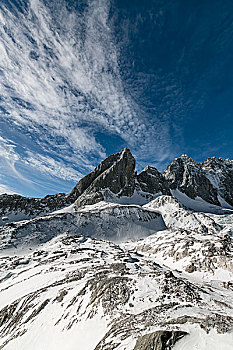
x,y
124,261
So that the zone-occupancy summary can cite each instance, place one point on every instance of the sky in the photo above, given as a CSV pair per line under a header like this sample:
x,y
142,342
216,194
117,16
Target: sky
x,y
82,79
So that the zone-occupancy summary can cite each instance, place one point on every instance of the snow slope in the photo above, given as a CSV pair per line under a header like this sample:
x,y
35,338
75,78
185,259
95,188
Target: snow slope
x,y
79,292
112,266
103,220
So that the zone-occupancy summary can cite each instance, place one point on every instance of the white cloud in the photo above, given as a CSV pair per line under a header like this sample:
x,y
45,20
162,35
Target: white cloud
x,y
46,69
50,166
6,189
7,150
61,82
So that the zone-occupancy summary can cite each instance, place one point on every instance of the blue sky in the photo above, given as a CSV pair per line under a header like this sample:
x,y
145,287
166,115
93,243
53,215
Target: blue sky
x,y
83,79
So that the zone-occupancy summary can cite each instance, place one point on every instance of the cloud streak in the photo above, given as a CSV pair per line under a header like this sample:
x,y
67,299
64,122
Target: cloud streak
x,y
6,189
61,84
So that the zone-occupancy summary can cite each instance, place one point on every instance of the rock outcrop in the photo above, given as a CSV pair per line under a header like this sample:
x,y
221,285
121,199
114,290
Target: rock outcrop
x,y
160,340
14,207
220,173
115,178
152,181
116,175
188,176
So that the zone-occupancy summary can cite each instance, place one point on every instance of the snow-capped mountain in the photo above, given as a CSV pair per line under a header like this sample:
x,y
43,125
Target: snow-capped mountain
x,y
124,261
208,184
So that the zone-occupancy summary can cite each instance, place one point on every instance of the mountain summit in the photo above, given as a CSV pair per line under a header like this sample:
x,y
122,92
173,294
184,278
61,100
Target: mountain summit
x,y
115,174
115,180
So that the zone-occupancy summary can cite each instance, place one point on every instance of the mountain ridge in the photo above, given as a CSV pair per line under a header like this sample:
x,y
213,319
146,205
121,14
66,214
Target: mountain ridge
x,y
115,177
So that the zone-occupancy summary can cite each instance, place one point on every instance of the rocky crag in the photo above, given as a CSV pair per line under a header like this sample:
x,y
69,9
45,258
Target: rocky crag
x,y
115,180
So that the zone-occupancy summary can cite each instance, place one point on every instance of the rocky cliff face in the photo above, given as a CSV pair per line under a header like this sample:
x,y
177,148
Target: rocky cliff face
x,y
220,173
115,178
114,175
152,181
188,176
212,180
15,207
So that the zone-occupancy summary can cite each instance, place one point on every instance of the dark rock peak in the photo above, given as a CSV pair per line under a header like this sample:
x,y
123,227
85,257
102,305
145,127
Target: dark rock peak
x,y
152,181
124,158
220,171
150,170
189,177
116,174
186,159
182,161
214,164
115,177
32,206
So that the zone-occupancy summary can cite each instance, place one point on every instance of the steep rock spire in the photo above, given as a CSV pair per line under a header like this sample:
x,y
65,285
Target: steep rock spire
x,y
115,173
188,176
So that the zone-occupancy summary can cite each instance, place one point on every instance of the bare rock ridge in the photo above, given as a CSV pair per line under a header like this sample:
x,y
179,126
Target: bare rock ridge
x,y
27,207
115,177
220,172
152,181
114,174
189,177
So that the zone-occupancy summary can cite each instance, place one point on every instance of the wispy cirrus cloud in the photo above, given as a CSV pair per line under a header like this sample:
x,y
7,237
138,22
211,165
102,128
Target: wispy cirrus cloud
x,y
7,150
6,189
61,84
50,166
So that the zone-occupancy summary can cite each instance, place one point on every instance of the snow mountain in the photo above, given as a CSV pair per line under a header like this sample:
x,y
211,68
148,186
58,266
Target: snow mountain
x,y
124,261
115,180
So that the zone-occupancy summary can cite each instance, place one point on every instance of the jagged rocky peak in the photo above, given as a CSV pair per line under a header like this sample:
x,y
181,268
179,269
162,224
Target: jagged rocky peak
x,y
218,163
123,163
152,181
181,167
115,180
220,173
14,207
186,159
115,174
190,178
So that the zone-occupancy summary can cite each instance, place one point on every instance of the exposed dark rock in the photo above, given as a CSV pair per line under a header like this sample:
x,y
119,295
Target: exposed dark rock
x,y
115,177
191,268
188,176
115,173
31,207
159,340
221,170
152,181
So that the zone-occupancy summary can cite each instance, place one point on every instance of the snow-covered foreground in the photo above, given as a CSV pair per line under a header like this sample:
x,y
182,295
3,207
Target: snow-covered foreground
x,y
198,339
62,287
